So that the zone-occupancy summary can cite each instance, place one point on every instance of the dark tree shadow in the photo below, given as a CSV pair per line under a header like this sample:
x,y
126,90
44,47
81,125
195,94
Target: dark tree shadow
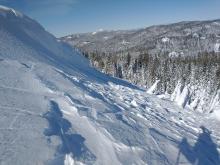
x,y
204,152
70,143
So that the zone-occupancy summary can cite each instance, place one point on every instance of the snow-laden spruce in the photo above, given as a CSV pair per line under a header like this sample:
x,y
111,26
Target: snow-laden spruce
x,y
56,109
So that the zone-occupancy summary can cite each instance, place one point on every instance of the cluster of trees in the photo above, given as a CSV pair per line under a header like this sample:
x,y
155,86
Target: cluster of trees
x,y
144,69
201,72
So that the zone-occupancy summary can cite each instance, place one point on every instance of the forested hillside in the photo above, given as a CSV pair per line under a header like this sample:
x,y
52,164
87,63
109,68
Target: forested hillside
x,y
199,74
181,57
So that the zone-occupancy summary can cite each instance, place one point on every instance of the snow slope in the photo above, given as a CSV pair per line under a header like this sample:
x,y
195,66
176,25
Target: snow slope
x,y
56,109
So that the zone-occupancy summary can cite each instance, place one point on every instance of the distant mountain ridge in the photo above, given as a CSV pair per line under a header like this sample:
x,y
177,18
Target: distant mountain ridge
x,y
186,38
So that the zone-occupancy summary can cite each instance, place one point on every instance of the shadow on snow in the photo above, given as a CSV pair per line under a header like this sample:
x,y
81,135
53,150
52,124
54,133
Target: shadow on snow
x,y
72,144
204,152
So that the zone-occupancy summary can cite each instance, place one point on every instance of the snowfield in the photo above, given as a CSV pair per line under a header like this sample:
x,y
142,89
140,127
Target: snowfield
x,y
56,109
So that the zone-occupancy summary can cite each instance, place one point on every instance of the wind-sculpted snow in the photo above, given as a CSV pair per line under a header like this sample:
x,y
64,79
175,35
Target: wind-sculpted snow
x,y
57,111
72,143
56,117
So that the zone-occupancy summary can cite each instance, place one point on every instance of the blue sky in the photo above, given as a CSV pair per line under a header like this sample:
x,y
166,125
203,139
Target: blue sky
x,y
62,17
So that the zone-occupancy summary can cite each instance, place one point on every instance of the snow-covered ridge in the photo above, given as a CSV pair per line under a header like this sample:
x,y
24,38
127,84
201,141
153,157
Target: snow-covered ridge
x,y
5,10
98,31
180,36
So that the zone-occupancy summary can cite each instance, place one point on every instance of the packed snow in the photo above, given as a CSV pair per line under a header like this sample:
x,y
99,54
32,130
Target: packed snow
x,y
99,30
69,37
165,39
216,23
124,42
56,109
106,37
173,54
153,88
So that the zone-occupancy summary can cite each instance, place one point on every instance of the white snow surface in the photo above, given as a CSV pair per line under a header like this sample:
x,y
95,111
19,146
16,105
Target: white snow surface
x,y
173,54
196,35
124,42
4,11
217,47
165,39
153,88
56,109
99,30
